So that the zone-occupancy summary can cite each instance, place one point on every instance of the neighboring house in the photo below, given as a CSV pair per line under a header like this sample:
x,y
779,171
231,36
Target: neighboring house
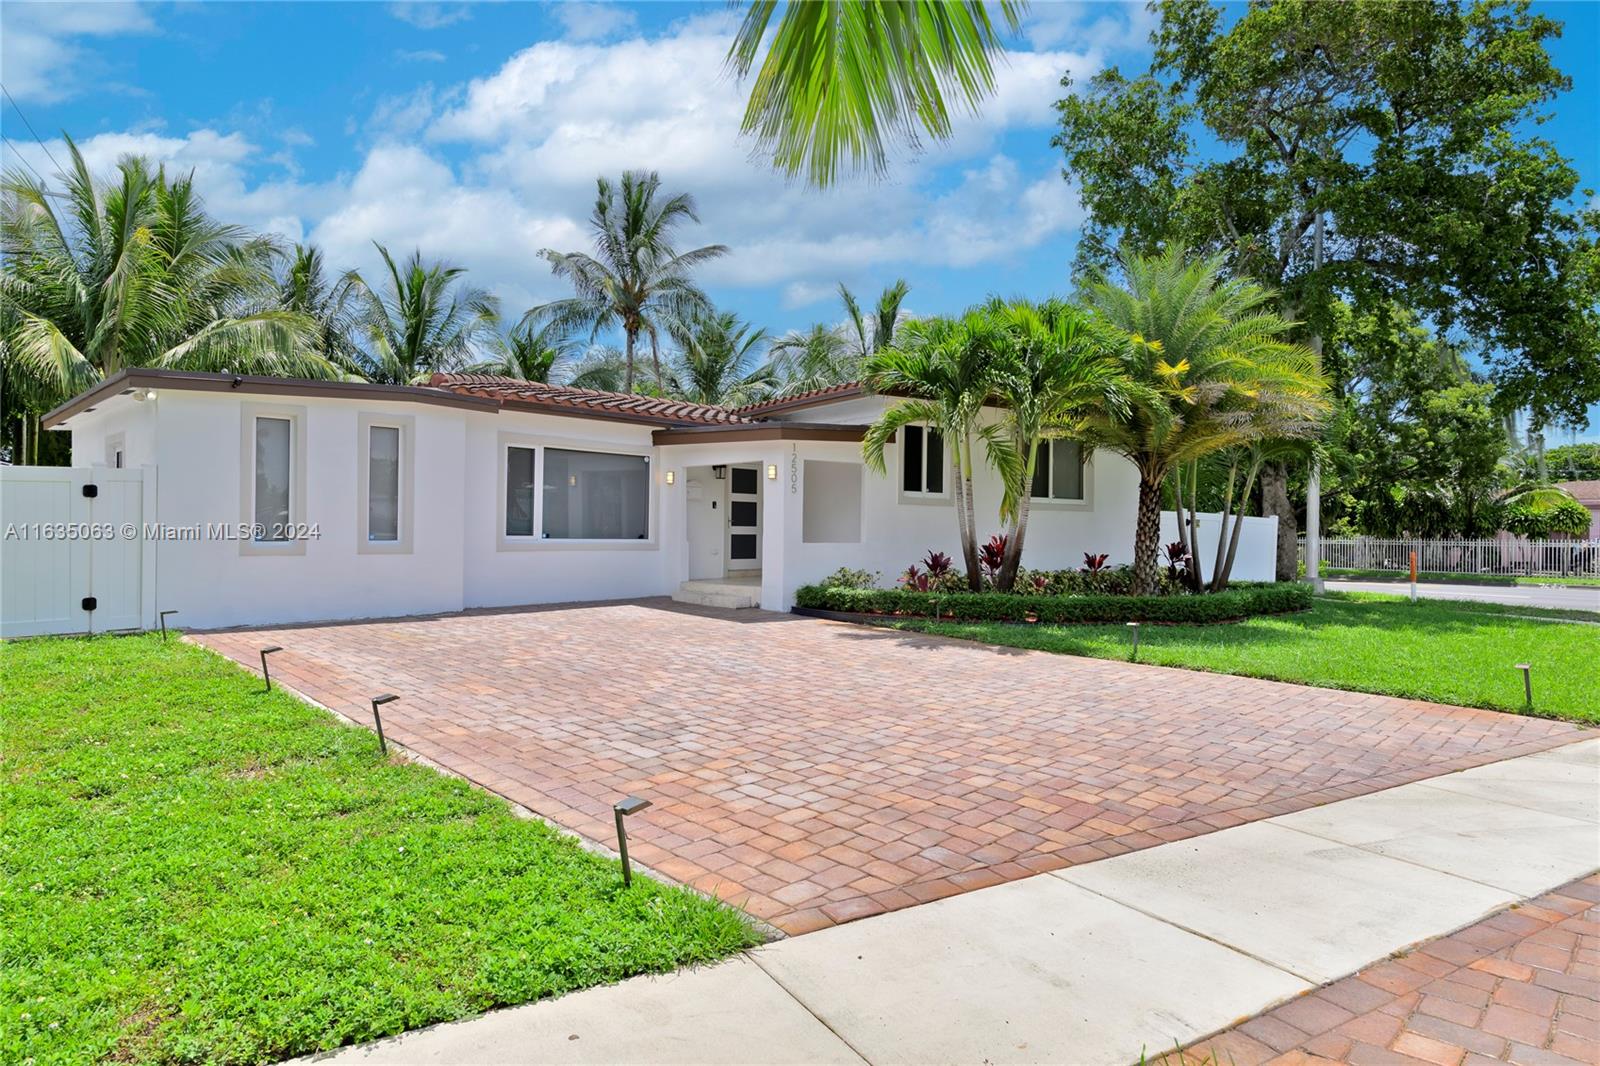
x,y
1588,494
478,491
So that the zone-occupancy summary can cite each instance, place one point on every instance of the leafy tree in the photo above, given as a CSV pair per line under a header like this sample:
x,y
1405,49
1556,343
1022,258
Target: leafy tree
x,y
1053,368
943,369
1574,462
840,79
1204,357
331,304
637,280
828,355
132,272
717,361
1540,511
422,320
1371,153
530,353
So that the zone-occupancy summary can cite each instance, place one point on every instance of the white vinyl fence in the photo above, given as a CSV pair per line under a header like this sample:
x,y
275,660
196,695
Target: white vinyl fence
x,y
1505,554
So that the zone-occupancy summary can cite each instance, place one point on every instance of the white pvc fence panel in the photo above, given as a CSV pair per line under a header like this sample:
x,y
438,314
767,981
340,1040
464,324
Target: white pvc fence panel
x,y
73,553
1505,554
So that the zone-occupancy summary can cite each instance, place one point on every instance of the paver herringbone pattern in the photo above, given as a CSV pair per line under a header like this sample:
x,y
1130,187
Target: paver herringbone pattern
x,y
1522,986
817,772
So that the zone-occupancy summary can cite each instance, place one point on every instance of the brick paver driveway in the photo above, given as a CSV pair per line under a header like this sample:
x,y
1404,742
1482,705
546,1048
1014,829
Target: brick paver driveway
x,y
815,772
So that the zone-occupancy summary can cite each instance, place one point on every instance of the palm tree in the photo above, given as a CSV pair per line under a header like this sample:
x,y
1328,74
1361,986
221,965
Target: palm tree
x,y
1200,354
134,273
1054,368
530,354
715,361
827,355
331,304
602,368
422,321
945,369
636,281
843,76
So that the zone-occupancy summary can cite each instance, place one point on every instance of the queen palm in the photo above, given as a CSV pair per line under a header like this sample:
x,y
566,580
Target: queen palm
x,y
1053,370
1203,356
944,370
841,78
134,273
717,361
637,281
422,320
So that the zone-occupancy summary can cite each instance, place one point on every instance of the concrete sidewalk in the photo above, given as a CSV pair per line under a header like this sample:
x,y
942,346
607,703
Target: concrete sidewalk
x,y
1097,963
1572,598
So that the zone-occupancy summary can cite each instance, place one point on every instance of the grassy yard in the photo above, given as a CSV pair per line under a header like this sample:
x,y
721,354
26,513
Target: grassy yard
x,y
1460,653
1429,577
197,872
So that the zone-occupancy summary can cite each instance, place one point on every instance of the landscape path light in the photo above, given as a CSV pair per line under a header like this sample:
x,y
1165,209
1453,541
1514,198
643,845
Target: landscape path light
x,y
377,719
265,676
1133,628
628,805
163,617
1527,683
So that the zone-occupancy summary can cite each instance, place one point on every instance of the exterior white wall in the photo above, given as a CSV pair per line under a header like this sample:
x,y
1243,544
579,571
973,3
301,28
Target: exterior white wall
x,y
1256,559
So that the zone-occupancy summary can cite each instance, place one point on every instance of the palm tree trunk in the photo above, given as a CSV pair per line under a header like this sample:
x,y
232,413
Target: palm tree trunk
x,y
1275,501
1222,529
1219,580
968,517
1007,578
629,335
1147,533
1197,578
655,360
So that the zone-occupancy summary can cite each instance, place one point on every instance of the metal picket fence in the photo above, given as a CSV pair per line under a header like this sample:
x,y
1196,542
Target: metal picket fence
x,y
1499,555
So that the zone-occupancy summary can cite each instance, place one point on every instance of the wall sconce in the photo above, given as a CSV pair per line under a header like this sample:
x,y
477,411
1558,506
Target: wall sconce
x,y
572,480
672,477
772,471
719,472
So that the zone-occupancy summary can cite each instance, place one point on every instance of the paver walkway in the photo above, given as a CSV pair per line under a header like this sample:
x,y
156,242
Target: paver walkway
x,y
1522,986
817,772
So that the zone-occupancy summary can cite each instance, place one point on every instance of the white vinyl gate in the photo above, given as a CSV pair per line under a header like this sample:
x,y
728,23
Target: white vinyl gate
x,y
73,558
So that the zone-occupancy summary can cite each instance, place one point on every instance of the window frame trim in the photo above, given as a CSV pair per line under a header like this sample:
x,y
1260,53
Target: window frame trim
x,y
923,497
249,414
1051,503
537,542
403,544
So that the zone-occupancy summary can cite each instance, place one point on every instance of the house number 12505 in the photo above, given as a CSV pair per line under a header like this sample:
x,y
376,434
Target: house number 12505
x,y
794,469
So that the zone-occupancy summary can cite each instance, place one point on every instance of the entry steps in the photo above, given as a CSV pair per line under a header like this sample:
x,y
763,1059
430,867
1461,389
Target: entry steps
x,y
727,592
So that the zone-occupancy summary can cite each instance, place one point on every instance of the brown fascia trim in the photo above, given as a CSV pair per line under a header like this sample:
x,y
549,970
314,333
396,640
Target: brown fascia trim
x,y
771,431
197,381
772,407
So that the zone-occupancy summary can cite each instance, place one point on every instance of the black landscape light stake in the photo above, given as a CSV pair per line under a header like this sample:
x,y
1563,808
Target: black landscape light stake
x,y
163,617
264,675
377,719
1527,683
629,805
1133,627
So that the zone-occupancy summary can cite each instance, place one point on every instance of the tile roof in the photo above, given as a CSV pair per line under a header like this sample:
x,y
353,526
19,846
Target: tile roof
x,y
653,409
1586,492
804,399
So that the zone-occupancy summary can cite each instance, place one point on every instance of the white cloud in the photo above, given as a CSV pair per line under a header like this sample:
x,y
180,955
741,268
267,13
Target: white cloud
x,y
426,16
39,52
424,55
594,21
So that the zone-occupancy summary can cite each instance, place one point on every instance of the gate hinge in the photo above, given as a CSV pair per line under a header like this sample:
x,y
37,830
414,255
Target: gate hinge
x,y
91,490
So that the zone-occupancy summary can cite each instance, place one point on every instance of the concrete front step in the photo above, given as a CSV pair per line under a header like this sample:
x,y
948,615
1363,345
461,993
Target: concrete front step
x,y
730,595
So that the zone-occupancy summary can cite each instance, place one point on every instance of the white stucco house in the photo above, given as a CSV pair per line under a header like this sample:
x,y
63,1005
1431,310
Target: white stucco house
x,y
353,500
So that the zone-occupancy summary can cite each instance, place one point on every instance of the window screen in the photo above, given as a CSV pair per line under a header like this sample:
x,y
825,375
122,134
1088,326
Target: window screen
x,y
273,444
383,483
519,492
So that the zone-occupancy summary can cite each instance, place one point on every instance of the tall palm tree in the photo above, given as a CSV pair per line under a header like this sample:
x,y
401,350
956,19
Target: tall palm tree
x,y
636,281
717,363
945,370
530,353
602,368
829,355
1054,368
1201,353
842,77
877,334
134,272
332,304
422,320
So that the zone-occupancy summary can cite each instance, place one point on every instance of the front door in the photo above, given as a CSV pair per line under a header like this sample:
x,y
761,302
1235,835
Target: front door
x,y
744,518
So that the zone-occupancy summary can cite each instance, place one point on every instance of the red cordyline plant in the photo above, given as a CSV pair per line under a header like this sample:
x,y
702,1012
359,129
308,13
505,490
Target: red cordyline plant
x,y
1094,564
992,556
914,579
938,563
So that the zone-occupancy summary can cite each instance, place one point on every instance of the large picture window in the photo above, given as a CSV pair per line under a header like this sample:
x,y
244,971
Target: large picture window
x,y
1058,472
922,461
383,484
519,492
595,496
273,467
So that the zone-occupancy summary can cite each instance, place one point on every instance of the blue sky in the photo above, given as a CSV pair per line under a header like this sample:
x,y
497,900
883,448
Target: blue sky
x,y
475,131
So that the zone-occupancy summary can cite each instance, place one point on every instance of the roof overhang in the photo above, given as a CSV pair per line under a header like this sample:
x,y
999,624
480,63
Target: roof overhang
x,y
831,394
766,431
197,381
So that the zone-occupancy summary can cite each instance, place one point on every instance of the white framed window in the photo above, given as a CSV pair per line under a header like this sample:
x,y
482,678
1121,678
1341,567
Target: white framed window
x,y
116,450
520,481
272,479
923,464
385,483
588,495
1058,472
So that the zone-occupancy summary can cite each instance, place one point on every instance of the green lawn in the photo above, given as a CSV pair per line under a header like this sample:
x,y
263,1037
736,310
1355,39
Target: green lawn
x,y
197,872
1432,577
1461,653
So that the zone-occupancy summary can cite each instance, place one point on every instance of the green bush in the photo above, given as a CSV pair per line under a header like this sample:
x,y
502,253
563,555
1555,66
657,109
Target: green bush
x,y
846,578
1240,601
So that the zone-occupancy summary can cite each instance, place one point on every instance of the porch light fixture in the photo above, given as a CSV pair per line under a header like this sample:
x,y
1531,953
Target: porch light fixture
x,y
1527,683
377,719
772,471
264,675
628,805
572,480
719,472
672,477
163,616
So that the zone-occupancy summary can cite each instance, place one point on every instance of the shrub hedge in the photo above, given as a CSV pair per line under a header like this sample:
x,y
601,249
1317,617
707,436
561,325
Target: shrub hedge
x,y
1240,601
